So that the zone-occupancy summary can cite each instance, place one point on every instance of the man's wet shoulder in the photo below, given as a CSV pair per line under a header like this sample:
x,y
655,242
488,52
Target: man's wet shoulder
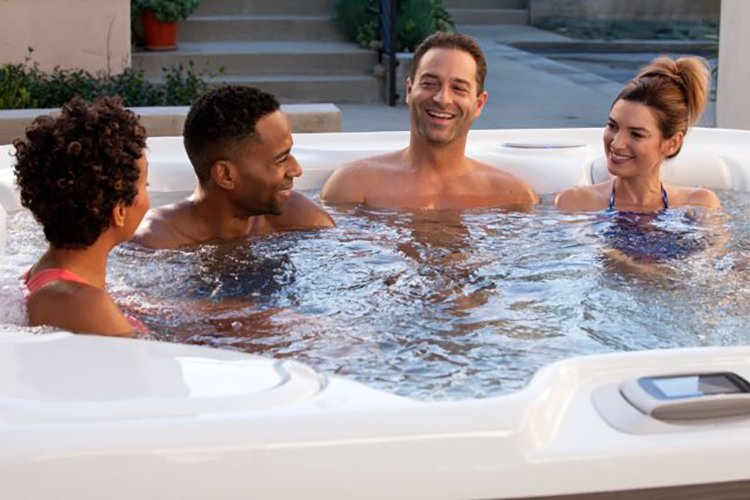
x,y
382,162
162,226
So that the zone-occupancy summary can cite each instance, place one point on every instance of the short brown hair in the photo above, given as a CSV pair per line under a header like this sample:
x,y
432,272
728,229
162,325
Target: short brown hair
x,y
676,89
457,41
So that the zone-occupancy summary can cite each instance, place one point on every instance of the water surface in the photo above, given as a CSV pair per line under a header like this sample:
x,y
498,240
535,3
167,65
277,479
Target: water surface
x,y
440,305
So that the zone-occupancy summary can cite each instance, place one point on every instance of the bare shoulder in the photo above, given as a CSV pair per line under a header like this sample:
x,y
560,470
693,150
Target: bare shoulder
x,y
702,197
77,308
512,186
584,198
162,227
349,183
300,212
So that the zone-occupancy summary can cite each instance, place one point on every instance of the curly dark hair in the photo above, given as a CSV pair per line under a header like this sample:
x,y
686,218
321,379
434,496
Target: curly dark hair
x,y
219,121
73,168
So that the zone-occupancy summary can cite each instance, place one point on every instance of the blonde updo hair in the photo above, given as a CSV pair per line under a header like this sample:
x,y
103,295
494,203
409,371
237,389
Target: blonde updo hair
x,y
677,90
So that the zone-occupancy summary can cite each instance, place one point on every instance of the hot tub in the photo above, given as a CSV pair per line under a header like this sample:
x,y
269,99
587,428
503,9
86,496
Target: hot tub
x,y
95,417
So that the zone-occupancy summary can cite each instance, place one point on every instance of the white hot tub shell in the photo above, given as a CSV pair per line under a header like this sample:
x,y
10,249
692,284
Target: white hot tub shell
x,y
92,417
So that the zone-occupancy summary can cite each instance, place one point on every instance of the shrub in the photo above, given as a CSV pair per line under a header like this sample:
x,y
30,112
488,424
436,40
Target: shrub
x,y
351,17
182,85
14,93
416,20
166,10
26,86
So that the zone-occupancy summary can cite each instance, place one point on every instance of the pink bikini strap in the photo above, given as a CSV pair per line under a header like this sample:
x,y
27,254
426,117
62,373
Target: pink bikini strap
x,y
48,275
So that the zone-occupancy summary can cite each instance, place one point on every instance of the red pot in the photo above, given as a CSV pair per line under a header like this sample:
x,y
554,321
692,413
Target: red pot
x,y
160,35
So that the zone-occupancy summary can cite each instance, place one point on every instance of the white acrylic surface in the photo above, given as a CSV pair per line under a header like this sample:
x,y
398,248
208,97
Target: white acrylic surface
x,y
91,417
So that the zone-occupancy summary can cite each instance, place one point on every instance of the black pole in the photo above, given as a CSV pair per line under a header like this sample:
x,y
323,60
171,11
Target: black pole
x,y
388,10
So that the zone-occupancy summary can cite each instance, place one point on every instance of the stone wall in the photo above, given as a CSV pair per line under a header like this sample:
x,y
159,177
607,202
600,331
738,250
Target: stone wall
x,y
652,10
89,34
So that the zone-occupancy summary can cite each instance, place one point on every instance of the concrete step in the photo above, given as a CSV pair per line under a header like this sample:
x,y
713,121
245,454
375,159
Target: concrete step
x,y
489,16
265,7
296,88
245,27
262,58
288,47
485,4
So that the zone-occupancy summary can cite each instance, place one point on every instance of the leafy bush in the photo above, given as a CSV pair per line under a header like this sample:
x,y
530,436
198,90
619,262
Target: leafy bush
x,y
182,85
416,20
26,86
352,15
14,94
166,10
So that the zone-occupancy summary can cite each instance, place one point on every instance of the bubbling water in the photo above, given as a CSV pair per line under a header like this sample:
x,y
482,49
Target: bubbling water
x,y
441,305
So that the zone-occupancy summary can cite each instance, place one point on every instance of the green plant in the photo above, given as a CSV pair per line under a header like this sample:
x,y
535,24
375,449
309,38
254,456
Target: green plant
x,y
166,10
182,84
25,86
416,20
14,93
351,15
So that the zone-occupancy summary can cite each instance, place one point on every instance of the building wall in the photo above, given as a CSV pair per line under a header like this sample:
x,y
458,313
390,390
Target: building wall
x,y
732,104
88,34
625,9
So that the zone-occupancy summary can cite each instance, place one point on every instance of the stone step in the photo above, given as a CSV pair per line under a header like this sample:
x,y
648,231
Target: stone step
x,y
295,88
485,4
489,16
265,7
262,58
288,47
245,27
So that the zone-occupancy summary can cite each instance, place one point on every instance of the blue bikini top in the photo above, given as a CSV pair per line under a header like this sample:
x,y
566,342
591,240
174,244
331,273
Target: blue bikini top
x,y
663,197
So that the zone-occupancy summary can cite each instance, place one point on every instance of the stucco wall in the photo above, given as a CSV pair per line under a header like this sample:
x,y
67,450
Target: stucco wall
x,y
732,104
89,34
625,9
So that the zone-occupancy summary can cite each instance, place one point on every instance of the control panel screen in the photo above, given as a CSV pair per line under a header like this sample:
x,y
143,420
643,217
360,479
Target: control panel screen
x,y
692,386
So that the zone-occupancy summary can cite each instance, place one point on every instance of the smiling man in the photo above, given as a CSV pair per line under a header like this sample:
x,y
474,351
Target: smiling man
x,y
240,144
445,94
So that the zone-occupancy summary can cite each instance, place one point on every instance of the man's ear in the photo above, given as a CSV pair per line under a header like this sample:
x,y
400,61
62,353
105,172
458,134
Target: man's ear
x,y
119,212
481,101
672,145
408,89
223,174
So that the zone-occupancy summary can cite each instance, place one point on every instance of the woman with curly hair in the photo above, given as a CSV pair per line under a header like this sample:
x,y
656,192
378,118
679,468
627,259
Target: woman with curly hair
x,y
647,124
83,176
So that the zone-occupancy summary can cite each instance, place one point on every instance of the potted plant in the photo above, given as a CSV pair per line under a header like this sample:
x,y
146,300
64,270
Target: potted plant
x,y
160,18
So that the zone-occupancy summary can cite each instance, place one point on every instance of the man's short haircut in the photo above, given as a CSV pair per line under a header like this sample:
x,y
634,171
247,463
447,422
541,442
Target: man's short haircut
x,y
457,41
220,121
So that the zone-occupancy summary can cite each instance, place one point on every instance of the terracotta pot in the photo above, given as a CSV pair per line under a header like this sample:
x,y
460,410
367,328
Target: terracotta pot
x,y
160,35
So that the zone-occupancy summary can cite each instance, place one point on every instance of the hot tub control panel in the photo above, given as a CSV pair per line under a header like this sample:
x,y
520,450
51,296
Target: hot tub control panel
x,y
692,396
676,402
